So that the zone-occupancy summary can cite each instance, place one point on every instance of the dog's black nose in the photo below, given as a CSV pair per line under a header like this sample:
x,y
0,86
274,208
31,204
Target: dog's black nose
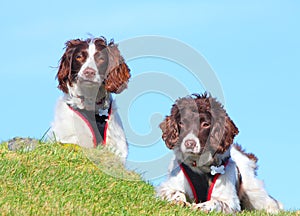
x,y
190,144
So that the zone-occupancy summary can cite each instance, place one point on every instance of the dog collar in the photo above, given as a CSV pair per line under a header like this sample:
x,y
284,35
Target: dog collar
x,y
214,168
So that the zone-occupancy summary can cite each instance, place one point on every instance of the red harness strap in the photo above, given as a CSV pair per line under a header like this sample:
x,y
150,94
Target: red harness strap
x,y
93,128
106,125
214,182
199,183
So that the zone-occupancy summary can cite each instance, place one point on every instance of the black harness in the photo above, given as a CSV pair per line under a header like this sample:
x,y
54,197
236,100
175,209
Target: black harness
x,y
199,183
202,184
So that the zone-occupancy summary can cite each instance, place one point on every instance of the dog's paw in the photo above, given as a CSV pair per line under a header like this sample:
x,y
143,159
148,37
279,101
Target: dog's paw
x,y
208,206
179,198
205,207
212,205
181,203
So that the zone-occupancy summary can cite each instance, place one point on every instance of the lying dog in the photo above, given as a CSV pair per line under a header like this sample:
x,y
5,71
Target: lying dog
x,y
208,171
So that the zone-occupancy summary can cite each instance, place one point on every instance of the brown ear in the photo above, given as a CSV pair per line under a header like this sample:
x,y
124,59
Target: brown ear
x,y
222,134
170,131
118,72
64,71
224,130
230,132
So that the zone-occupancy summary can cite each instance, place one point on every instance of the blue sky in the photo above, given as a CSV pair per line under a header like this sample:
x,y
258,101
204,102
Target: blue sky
x,y
253,48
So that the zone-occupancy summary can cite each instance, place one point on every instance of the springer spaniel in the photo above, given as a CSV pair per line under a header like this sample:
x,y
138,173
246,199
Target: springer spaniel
x,y
90,70
208,171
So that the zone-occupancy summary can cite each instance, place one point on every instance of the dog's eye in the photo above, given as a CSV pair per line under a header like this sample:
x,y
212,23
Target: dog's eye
x,y
78,57
100,58
205,125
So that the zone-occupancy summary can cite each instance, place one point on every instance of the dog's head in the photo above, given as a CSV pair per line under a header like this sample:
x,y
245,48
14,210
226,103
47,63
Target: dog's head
x,y
198,123
92,62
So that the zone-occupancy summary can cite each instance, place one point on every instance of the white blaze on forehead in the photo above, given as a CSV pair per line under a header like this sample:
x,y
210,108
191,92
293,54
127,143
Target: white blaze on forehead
x,y
92,50
90,62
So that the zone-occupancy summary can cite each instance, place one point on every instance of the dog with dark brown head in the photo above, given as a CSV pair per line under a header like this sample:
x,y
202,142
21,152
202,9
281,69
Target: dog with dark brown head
x,y
208,170
198,125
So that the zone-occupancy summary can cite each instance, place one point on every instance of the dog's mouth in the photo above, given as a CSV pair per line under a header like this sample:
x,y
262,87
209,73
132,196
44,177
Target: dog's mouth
x,y
191,158
193,152
204,158
88,81
201,159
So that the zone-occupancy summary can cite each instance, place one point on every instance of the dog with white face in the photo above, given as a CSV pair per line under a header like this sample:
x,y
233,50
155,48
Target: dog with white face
x,y
89,72
209,172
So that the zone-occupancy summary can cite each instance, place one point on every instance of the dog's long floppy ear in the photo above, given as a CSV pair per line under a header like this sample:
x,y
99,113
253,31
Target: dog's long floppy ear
x,y
224,130
170,134
64,71
230,132
118,72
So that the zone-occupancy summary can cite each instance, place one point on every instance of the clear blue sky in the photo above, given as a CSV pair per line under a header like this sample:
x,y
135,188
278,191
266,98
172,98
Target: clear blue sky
x,y
253,48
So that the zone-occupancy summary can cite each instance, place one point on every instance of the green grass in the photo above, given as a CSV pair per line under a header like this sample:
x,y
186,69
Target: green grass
x,y
55,179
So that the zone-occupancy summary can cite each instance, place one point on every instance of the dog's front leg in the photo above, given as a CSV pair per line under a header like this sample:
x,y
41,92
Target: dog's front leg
x,y
179,198
213,205
174,196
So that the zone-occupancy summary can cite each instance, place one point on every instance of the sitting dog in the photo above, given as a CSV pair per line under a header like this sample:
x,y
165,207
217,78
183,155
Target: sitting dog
x,y
208,171
90,70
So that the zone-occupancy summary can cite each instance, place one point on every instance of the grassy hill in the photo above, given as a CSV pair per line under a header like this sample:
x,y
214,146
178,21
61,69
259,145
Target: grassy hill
x,y
55,179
